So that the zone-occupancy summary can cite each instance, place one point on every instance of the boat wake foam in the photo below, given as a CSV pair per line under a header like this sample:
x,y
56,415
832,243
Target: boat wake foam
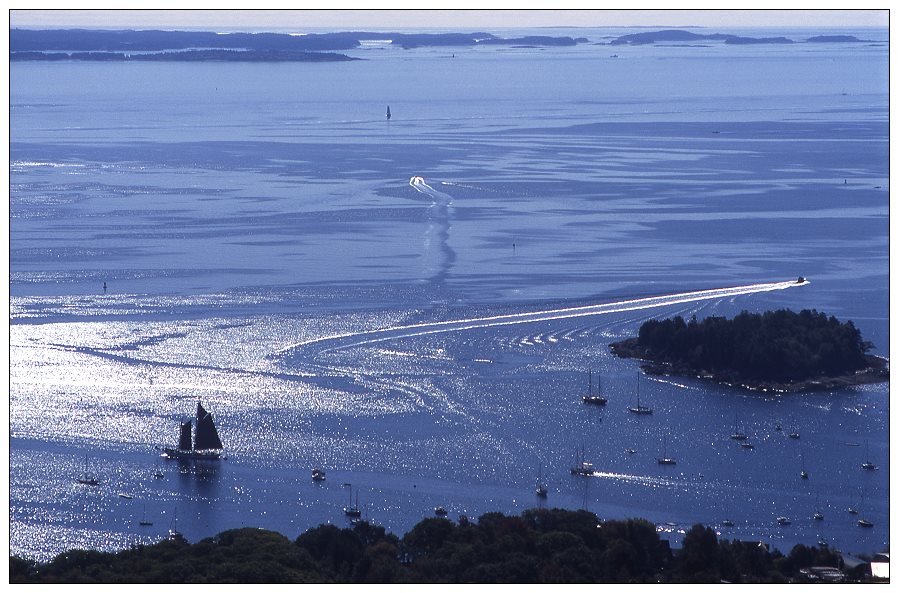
x,y
349,340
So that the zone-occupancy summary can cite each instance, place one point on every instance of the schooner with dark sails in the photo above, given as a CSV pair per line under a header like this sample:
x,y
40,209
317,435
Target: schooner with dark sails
x,y
206,444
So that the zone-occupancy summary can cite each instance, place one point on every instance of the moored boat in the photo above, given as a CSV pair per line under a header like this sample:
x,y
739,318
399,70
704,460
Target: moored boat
x,y
88,479
638,409
598,399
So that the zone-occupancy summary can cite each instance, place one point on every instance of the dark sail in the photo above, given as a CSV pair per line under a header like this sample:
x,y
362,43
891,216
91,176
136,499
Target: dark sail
x,y
184,441
207,435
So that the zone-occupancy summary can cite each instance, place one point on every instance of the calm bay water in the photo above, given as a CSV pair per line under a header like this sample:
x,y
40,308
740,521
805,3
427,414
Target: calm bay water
x,y
261,243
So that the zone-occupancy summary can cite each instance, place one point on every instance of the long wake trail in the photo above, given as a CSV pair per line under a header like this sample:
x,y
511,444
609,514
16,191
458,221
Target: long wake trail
x,y
349,340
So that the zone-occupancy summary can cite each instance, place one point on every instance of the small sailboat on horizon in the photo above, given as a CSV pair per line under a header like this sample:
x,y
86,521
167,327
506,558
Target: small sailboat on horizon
x,y
388,113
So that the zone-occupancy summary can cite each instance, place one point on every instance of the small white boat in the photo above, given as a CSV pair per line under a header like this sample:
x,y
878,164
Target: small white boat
x,y
783,521
440,512
318,475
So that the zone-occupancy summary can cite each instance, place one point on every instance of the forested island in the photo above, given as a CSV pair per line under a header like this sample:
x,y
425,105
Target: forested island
x,y
680,36
154,45
539,546
778,351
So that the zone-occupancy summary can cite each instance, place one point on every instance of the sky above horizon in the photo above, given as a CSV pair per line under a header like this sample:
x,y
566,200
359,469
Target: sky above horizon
x,y
432,19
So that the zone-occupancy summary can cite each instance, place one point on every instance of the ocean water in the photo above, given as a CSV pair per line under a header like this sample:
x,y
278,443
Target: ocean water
x,y
414,305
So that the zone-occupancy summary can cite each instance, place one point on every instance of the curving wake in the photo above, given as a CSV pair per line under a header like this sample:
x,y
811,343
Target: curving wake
x,y
349,340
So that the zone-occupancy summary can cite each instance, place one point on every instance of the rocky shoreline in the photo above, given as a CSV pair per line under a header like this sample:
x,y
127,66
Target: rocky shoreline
x,y
877,371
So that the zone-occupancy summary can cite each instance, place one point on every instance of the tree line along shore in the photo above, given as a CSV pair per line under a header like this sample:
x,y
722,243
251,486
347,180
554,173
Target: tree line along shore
x,y
539,546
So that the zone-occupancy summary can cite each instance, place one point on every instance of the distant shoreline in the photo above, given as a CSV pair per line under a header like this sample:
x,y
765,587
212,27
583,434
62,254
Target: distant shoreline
x,y
205,55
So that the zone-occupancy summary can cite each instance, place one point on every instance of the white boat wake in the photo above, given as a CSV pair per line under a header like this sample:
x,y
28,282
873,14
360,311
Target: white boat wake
x,y
353,339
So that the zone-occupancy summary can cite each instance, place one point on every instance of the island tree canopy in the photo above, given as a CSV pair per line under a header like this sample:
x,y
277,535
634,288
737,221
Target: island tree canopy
x,y
774,346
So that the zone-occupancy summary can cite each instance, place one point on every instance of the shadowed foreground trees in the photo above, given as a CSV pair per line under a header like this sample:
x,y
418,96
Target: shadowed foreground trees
x,y
540,546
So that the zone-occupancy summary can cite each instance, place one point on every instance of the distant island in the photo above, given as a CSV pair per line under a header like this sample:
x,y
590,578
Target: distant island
x,y
680,35
539,546
131,45
777,351
198,55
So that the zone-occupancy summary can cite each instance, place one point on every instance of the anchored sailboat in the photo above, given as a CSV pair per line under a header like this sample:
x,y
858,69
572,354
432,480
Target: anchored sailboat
x,y
540,489
737,435
664,459
638,409
598,399
352,510
144,522
88,479
205,445
868,464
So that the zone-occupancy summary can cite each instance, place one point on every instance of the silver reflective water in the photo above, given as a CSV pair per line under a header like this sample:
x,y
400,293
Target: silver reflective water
x,y
413,306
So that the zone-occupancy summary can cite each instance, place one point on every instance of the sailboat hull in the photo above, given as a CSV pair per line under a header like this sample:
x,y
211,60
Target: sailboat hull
x,y
192,453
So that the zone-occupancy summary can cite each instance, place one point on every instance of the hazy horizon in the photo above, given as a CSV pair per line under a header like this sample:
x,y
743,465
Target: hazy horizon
x,y
442,19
